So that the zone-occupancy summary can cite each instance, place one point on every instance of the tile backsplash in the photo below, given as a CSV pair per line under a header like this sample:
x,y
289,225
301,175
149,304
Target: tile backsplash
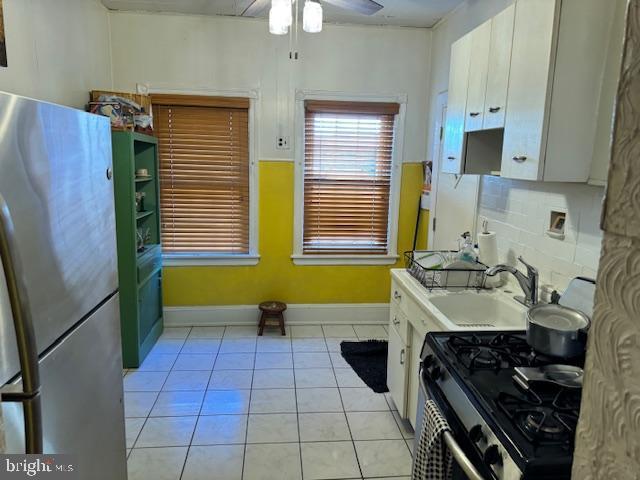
x,y
519,212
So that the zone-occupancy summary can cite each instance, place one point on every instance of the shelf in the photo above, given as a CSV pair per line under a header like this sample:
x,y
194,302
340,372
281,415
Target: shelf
x,y
149,247
141,215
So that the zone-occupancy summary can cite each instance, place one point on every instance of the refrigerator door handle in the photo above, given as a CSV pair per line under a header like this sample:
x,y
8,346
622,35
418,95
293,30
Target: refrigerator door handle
x,y
25,336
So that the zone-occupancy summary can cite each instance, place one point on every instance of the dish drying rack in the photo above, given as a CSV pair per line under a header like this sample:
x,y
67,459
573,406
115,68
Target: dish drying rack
x,y
419,264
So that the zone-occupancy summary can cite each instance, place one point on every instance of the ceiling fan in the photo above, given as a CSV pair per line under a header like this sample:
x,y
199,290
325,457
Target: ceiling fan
x,y
280,12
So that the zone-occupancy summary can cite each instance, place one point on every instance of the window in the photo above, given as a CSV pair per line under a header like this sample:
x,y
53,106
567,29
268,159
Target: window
x,y
205,175
347,179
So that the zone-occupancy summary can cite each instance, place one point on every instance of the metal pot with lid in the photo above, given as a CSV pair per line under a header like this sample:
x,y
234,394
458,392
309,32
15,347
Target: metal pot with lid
x,y
561,329
557,330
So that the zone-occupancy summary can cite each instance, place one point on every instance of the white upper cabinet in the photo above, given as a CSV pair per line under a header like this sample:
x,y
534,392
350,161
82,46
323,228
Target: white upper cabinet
x,y
499,63
555,88
478,68
452,152
539,93
529,80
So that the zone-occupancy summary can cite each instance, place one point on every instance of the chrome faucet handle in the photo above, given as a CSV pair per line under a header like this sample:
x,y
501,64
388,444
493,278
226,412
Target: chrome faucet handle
x,y
531,270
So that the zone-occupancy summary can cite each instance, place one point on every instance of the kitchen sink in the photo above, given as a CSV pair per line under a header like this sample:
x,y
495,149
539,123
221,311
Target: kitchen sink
x,y
471,308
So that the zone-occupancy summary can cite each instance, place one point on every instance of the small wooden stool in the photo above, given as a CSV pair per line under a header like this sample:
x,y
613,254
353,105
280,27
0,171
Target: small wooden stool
x,y
271,309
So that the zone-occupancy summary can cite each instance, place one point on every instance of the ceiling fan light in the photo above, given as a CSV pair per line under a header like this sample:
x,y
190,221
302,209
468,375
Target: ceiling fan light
x,y
277,23
312,17
283,10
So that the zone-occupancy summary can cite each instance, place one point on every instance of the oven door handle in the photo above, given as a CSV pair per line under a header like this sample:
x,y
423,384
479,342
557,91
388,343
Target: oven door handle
x,y
456,452
461,459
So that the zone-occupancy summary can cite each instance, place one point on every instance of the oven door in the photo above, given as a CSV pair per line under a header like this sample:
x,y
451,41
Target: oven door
x,y
467,462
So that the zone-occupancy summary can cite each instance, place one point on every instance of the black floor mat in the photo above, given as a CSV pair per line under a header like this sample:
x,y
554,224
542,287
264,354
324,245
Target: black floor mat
x,y
369,360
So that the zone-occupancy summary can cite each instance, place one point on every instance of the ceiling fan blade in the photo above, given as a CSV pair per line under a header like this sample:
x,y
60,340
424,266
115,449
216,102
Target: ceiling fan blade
x,y
365,7
256,8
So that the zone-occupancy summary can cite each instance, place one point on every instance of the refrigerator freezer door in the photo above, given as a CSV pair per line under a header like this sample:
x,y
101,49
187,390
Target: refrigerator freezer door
x,y
81,396
55,178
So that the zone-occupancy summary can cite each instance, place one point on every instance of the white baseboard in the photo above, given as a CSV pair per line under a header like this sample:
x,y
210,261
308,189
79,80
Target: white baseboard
x,y
296,314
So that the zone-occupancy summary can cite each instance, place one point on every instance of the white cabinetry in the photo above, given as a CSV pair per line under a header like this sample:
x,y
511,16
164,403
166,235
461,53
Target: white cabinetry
x,y
495,104
397,370
409,322
530,77
537,77
478,69
453,149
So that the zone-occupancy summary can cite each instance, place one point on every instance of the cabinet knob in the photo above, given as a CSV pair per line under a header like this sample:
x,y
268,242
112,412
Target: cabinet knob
x,y
474,114
519,158
451,158
494,109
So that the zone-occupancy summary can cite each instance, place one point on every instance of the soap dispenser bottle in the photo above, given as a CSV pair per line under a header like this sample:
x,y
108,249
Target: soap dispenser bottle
x,y
467,253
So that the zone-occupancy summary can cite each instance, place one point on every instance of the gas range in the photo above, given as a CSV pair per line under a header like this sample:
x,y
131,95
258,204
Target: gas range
x,y
516,411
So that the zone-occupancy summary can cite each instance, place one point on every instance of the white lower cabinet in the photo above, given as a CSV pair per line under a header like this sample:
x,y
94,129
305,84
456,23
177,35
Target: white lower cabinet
x,y
409,322
414,377
397,369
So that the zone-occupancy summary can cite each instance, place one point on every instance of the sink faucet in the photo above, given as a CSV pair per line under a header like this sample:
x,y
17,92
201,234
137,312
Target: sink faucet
x,y
528,282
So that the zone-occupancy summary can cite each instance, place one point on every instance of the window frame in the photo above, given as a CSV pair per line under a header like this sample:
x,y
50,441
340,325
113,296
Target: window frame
x,y
228,259
391,257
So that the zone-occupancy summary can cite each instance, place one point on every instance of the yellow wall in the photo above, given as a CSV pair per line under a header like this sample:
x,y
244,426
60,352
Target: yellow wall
x,y
275,276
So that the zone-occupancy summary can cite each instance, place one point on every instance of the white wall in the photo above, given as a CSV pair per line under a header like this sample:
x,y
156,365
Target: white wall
x,y
58,50
216,53
517,210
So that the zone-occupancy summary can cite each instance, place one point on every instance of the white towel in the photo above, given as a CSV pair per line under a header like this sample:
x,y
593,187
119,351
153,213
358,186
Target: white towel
x,y
432,460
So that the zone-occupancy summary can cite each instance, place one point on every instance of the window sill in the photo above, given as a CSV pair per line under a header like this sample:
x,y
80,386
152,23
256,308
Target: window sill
x,y
344,259
177,260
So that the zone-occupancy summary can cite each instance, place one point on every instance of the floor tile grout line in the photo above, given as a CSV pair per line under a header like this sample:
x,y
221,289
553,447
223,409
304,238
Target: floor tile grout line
x,y
184,465
353,443
332,367
295,393
246,430
156,400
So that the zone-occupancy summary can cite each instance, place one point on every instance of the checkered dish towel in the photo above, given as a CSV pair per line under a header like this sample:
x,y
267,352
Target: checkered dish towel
x,y
432,460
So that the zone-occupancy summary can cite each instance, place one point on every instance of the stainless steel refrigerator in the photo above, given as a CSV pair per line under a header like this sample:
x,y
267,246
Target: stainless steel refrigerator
x,y
60,353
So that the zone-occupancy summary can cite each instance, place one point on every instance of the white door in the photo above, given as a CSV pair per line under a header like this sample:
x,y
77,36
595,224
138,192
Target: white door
x,y
498,71
454,125
529,89
477,85
398,357
454,198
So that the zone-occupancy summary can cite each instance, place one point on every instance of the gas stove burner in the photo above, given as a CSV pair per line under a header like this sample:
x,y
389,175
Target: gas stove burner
x,y
492,352
543,423
500,351
544,419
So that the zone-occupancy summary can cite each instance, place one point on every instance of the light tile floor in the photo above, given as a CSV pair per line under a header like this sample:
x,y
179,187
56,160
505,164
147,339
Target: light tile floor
x,y
216,403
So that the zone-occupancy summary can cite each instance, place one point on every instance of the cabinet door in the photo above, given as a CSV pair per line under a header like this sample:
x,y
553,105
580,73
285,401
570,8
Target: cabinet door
x,y
456,107
477,84
498,70
397,370
529,89
414,376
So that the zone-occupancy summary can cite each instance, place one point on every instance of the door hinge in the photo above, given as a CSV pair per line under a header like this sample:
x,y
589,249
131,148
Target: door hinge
x,y
434,224
441,132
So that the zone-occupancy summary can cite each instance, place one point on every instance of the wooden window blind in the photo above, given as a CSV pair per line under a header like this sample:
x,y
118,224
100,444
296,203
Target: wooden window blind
x,y
347,177
204,173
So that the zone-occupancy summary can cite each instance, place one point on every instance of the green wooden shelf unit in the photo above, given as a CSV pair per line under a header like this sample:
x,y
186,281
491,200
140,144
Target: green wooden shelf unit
x,y
140,272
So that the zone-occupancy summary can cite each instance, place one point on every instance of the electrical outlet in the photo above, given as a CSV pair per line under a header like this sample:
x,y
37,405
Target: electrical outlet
x,y
282,143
